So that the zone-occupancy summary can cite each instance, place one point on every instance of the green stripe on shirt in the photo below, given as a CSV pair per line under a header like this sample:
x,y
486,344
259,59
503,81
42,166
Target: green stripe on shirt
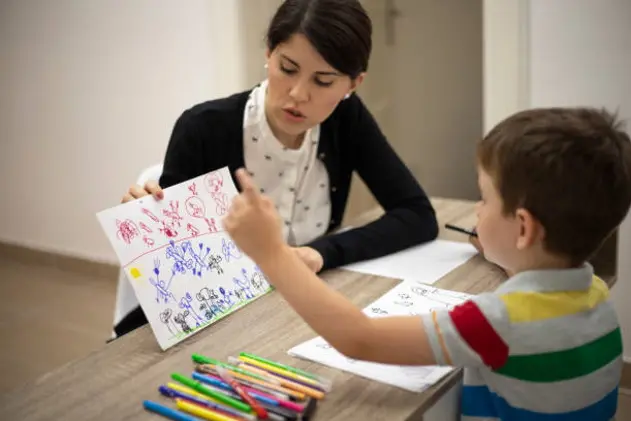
x,y
567,364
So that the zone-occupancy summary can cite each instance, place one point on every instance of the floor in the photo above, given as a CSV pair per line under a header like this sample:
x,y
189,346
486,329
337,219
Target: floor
x,y
51,316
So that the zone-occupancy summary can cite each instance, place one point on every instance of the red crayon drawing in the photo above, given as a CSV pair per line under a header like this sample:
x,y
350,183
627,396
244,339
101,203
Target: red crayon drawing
x,y
145,227
150,215
148,241
168,229
195,208
212,227
193,189
173,213
192,230
214,186
127,230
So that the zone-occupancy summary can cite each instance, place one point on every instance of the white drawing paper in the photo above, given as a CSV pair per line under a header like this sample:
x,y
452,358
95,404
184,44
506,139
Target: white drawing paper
x,y
425,263
407,298
185,270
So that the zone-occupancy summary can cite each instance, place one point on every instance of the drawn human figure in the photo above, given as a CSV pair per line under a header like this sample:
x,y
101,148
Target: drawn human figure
x,y
180,318
258,280
225,297
173,213
214,263
126,230
185,304
166,318
214,186
205,297
193,231
198,257
242,289
434,295
163,294
216,302
230,250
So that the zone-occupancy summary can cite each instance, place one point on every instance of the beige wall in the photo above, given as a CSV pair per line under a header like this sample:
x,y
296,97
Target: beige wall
x,y
90,91
577,52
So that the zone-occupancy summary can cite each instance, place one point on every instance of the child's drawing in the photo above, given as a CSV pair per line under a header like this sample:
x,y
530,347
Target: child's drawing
x,y
187,273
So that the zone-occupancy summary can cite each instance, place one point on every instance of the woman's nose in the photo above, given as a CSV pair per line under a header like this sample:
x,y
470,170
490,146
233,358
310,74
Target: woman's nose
x,y
299,92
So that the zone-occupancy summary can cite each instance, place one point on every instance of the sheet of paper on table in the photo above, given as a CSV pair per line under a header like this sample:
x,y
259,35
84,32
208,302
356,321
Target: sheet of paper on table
x,y
425,263
407,298
185,270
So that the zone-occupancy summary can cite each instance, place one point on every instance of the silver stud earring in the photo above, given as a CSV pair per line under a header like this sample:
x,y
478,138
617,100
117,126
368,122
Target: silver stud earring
x,y
347,95
265,66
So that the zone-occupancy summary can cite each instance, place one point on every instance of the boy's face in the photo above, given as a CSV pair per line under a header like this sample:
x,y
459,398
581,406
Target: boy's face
x,y
498,233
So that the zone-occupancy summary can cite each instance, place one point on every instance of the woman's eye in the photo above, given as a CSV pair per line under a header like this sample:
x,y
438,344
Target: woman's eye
x,y
322,83
287,70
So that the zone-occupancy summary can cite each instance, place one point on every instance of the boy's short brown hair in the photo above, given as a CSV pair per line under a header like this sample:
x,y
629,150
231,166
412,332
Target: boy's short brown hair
x,y
569,167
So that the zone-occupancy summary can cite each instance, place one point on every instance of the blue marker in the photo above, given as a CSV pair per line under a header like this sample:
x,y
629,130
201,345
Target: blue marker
x,y
165,411
171,393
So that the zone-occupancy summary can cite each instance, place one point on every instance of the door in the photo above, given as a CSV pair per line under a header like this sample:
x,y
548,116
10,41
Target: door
x,y
424,87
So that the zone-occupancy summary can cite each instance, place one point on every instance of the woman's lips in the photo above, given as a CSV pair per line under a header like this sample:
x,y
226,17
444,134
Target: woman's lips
x,y
293,115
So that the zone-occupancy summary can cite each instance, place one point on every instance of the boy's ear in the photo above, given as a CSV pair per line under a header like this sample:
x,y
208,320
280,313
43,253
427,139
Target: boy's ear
x,y
530,229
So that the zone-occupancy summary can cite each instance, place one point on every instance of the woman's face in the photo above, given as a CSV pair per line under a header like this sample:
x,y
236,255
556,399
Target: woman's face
x,y
303,89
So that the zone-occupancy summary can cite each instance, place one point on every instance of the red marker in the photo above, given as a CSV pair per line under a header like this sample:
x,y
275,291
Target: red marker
x,y
225,375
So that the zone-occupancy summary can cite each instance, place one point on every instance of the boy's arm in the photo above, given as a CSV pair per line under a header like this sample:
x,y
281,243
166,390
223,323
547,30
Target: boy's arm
x,y
394,340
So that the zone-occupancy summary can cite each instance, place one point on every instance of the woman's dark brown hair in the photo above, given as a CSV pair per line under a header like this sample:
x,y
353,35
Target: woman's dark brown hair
x,y
340,30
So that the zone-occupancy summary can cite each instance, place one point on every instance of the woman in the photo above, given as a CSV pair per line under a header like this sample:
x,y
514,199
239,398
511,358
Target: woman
x,y
301,133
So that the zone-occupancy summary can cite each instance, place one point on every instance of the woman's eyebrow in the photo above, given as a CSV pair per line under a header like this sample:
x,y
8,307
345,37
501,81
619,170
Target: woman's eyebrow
x,y
323,72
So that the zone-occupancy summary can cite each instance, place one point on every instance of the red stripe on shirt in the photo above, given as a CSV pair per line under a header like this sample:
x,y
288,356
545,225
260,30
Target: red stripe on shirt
x,y
478,333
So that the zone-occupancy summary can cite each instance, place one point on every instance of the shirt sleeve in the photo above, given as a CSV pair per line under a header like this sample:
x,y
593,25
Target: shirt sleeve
x,y
184,154
409,217
471,334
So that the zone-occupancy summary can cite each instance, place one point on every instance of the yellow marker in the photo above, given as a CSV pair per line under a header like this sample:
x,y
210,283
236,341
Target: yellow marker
x,y
188,391
207,414
285,373
135,273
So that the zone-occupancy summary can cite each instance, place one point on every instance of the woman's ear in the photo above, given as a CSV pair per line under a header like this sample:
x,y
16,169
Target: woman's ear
x,y
355,83
530,229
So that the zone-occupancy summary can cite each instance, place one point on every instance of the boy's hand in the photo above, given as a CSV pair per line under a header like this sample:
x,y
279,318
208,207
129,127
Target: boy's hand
x,y
253,222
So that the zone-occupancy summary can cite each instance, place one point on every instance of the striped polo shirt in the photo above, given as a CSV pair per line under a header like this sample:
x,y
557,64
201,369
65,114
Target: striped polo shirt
x,y
545,346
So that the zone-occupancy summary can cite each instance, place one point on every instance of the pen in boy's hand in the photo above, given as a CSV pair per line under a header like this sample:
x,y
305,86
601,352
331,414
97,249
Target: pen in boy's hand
x,y
471,233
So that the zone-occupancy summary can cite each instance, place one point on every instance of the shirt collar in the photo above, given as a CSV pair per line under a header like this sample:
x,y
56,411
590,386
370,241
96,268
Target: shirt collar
x,y
549,280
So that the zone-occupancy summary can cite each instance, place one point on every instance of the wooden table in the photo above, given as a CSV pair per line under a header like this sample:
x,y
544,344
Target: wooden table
x,y
110,384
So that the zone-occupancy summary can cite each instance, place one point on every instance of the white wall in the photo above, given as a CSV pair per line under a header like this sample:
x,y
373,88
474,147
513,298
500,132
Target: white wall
x,y
90,92
578,52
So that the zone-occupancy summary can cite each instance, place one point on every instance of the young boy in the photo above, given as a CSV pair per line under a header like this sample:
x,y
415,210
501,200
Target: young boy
x,y
546,344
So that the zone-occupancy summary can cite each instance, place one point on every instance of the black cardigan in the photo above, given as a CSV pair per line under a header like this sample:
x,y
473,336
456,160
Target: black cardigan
x,y
209,136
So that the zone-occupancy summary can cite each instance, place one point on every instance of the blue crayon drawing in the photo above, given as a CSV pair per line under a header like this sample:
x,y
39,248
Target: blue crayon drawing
x,y
162,287
230,250
242,289
187,258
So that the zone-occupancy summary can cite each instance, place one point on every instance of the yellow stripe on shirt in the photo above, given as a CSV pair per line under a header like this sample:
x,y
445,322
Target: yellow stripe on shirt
x,y
534,306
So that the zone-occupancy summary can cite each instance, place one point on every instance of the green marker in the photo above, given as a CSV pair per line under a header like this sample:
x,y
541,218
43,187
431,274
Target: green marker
x,y
220,397
200,359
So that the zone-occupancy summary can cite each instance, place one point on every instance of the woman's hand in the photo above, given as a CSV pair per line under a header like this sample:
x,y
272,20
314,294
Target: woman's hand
x,y
136,191
310,257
